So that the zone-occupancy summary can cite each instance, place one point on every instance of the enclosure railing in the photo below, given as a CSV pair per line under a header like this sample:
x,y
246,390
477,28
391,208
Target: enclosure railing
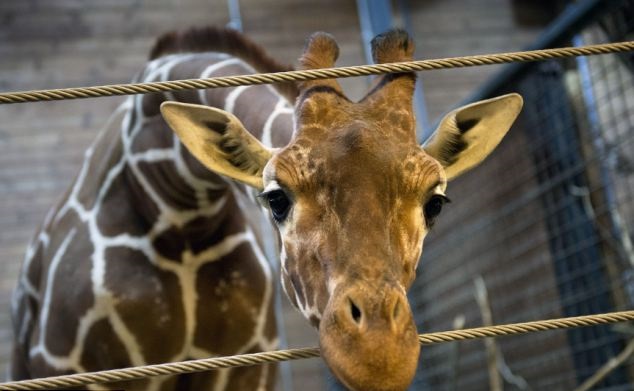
x,y
142,372
312,74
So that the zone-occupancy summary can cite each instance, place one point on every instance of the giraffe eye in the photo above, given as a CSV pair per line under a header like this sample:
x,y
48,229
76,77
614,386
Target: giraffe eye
x,y
433,207
279,204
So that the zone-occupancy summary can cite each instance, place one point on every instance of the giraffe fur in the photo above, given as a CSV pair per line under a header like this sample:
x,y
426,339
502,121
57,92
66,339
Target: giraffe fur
x,y
165,261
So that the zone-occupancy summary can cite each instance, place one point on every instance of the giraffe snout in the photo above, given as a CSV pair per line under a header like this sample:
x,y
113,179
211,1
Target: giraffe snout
x,y
390,311
369,339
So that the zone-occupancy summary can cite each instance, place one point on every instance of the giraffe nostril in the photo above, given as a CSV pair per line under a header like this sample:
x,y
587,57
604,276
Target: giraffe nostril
x,y
397,309
355,312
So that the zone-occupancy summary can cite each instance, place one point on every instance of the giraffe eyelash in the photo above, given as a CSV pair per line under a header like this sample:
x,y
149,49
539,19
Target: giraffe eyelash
x,y
278,202
433,207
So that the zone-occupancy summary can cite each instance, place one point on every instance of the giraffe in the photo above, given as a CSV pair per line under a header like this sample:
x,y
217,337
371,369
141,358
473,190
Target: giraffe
x,y
352,195
150,257
350,192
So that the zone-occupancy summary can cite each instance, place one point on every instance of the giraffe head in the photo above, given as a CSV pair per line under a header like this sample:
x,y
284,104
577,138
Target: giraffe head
x,y
353,196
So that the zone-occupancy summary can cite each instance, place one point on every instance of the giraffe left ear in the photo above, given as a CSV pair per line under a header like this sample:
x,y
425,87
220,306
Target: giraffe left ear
x,y
219,141
467,135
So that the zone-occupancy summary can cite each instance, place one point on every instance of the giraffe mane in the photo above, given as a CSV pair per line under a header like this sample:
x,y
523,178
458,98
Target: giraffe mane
x,y
223,40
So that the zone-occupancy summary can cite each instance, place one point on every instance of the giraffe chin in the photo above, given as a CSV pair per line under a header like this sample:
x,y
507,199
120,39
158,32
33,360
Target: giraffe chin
x,y
369,355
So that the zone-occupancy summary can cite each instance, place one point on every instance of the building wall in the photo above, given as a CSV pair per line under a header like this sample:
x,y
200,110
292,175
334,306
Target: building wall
x,y
544,221
494,229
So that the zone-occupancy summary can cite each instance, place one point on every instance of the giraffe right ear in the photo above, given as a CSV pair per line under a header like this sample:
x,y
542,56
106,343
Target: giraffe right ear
x,y
467,135
219,141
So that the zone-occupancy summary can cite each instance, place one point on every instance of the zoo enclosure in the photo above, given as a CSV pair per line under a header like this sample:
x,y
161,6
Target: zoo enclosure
x,y
494,312
546,222
73,93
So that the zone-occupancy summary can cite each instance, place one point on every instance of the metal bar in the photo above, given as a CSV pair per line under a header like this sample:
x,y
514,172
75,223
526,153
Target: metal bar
x,y
424,129
235,18
598,143
375,17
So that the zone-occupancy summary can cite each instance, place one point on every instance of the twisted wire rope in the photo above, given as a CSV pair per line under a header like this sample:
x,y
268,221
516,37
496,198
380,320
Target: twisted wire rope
x,y
125,374
312,74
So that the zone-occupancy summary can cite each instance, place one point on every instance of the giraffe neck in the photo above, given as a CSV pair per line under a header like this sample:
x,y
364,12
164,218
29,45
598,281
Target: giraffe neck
x,y
158,162
142,207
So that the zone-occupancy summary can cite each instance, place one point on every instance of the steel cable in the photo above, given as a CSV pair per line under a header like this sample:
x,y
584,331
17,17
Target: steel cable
x,y
126,374
312,74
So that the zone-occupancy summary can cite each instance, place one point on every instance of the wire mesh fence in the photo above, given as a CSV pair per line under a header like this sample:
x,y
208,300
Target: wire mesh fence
x,y
547,223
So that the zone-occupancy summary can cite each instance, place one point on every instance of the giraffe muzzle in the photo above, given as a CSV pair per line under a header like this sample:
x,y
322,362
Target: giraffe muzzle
x,y
368,338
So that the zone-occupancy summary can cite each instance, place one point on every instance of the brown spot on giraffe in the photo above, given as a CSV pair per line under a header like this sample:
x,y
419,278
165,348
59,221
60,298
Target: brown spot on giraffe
x,y
148,138
75,299
165,180
120,211
135,282
103,349
228,290
105,156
